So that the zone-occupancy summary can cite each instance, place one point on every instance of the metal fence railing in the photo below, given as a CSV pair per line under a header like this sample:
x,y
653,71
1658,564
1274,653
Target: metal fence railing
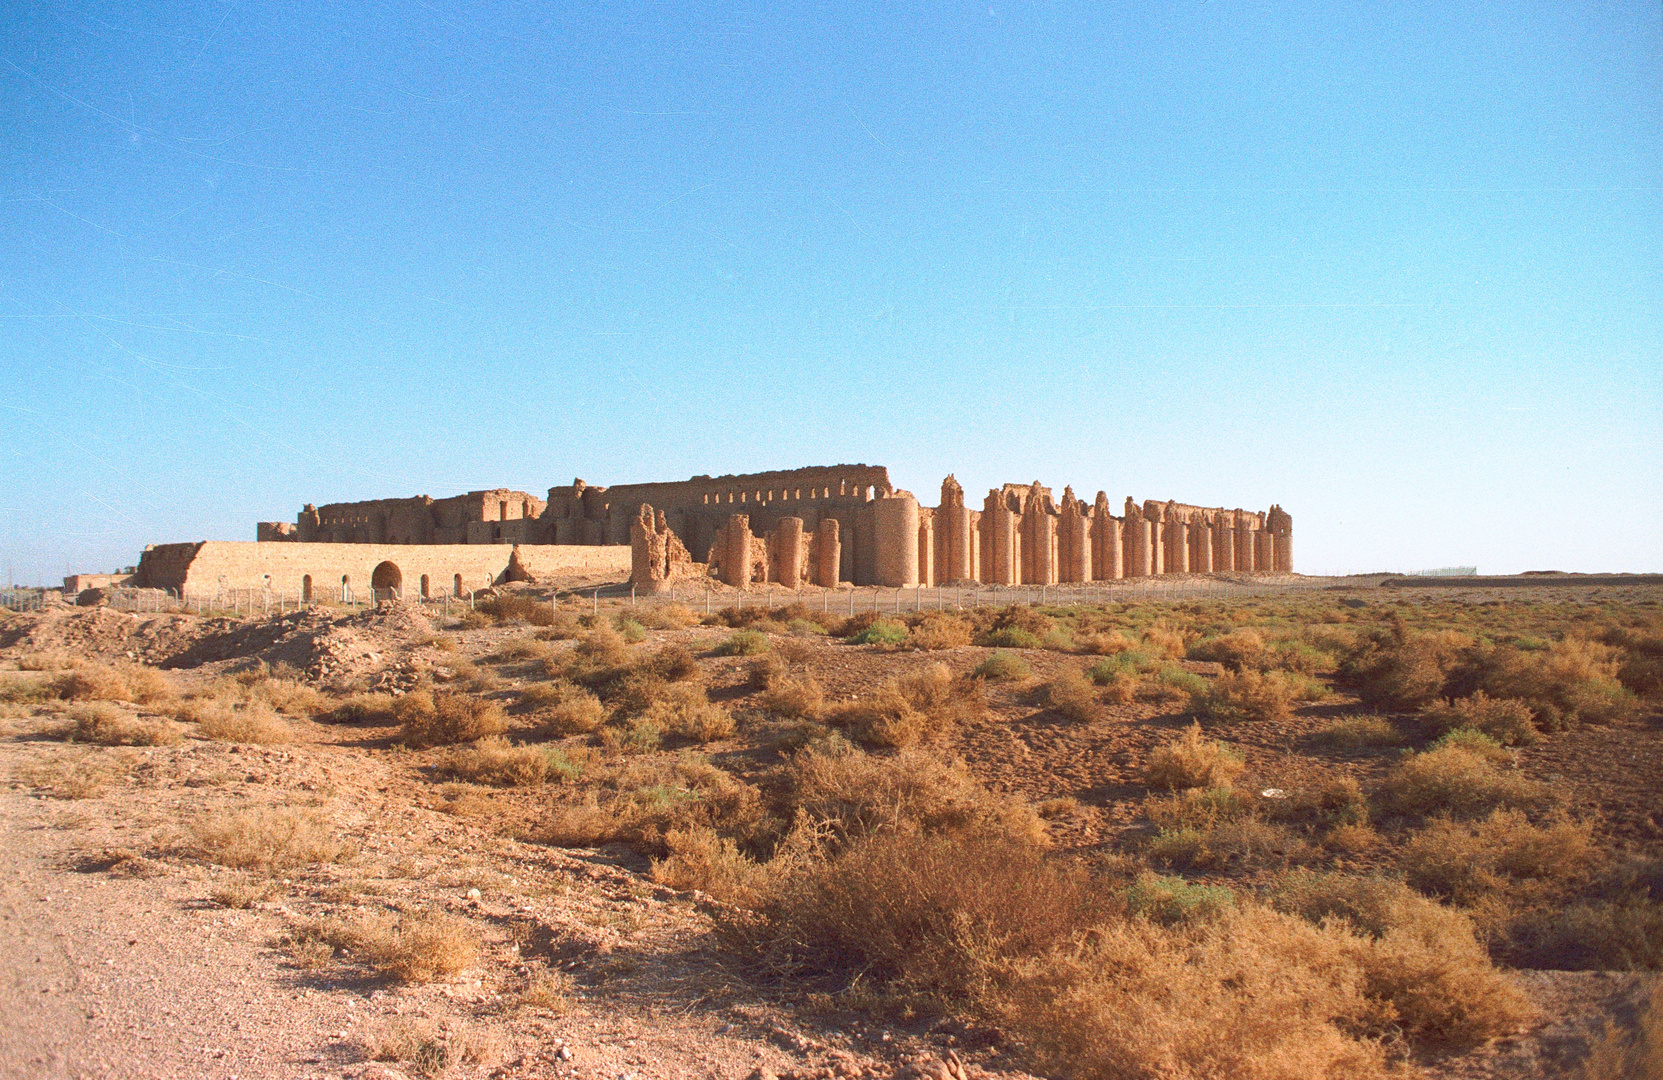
x,y
22,599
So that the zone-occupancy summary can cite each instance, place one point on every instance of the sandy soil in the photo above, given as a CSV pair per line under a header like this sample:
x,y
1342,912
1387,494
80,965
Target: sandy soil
x,y
121,957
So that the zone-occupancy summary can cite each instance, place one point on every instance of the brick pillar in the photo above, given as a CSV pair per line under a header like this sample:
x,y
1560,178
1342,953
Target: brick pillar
x,y
789,552
1176,548
895,540
1201,548
1264,554
999,541
1224,548
926,551
828,553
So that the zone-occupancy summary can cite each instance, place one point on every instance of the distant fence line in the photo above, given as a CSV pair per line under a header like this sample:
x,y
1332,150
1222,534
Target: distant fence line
x,y
248,602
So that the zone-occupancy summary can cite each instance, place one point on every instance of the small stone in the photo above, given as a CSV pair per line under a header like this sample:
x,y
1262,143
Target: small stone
x,y
473,894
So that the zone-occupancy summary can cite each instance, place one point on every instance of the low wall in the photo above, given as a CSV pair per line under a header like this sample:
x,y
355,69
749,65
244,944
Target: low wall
x,y
293,567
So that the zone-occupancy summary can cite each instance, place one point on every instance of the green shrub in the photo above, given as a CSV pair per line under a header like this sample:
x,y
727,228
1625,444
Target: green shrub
x,y
1011,637
1003,667
883,632
743,643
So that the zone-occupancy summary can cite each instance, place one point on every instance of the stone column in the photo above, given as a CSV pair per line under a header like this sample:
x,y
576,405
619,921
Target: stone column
x,y
895,540
1264,552
1073,540
1138,542
1224,546
1244,545
734,543
926,548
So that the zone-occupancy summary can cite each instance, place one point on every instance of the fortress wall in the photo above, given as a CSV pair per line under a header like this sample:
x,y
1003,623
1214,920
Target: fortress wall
x,y
244,565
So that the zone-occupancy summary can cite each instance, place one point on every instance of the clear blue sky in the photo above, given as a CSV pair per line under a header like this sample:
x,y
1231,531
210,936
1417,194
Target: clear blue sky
x,y
1394,266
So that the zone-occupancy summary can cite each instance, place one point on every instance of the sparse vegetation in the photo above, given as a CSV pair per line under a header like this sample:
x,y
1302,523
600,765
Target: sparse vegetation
x,y
267,839
1192,761
445,717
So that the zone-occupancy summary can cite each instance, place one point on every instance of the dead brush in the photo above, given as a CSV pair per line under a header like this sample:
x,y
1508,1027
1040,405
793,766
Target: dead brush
x,y
497,762
442,718
1400,671
360,709
1503,855
252,723
911,708
794,699
1192,761
699,858
837,793
1071,696
1249,695
1635,1054
268,839
104,682
1237,650
88,775
1572,681
1457,780
103,723
652,797
937,630
686,711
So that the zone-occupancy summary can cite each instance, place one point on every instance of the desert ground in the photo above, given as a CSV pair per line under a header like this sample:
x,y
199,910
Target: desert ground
x,y
1353,832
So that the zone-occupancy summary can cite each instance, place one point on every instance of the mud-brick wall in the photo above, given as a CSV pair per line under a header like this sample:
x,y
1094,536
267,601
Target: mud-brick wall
x,y
237,564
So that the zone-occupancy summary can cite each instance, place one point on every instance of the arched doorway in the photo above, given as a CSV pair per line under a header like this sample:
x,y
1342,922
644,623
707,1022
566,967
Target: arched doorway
x,y
386,576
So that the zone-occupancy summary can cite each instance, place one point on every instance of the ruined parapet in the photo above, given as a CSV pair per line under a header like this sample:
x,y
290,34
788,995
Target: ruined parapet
x,y
657,557
827,553
895,540
1107,553
267,532
999,541
1139,542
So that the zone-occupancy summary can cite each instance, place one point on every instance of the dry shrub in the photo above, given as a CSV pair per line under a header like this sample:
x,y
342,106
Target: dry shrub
x,y
1572,681
362,709
839,793
549,992
1403,672
633,735
47,660
1351,838
495,761
674,663
1357,732
517,608
1478,743
1630,1055
1237,650
1249,695
1192,761
1164,642
1423,958
794,699
565,709
1600,933
523,648
1457,780
666,616
1196,807
766,670
920,705
103,723
428,718
654,797
78,776
1072,696
1112,643
416,948
1230,842
102,682
268,839
929,913
1507,720
287,696
254,722
686,711
1249,994
19,691
1003,667
1503,856
938,630
699,858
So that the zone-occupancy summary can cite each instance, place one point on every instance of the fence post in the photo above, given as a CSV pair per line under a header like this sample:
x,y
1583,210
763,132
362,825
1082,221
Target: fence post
x,y
596,610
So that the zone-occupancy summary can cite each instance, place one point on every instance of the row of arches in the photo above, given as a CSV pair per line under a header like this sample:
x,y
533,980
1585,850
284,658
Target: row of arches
x,y
388,577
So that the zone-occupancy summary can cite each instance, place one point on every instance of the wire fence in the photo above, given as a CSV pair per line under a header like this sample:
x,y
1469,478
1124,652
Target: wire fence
x,y
706,597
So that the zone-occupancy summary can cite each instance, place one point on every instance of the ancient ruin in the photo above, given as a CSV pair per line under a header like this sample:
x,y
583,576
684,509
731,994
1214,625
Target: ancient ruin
x,y
823,526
